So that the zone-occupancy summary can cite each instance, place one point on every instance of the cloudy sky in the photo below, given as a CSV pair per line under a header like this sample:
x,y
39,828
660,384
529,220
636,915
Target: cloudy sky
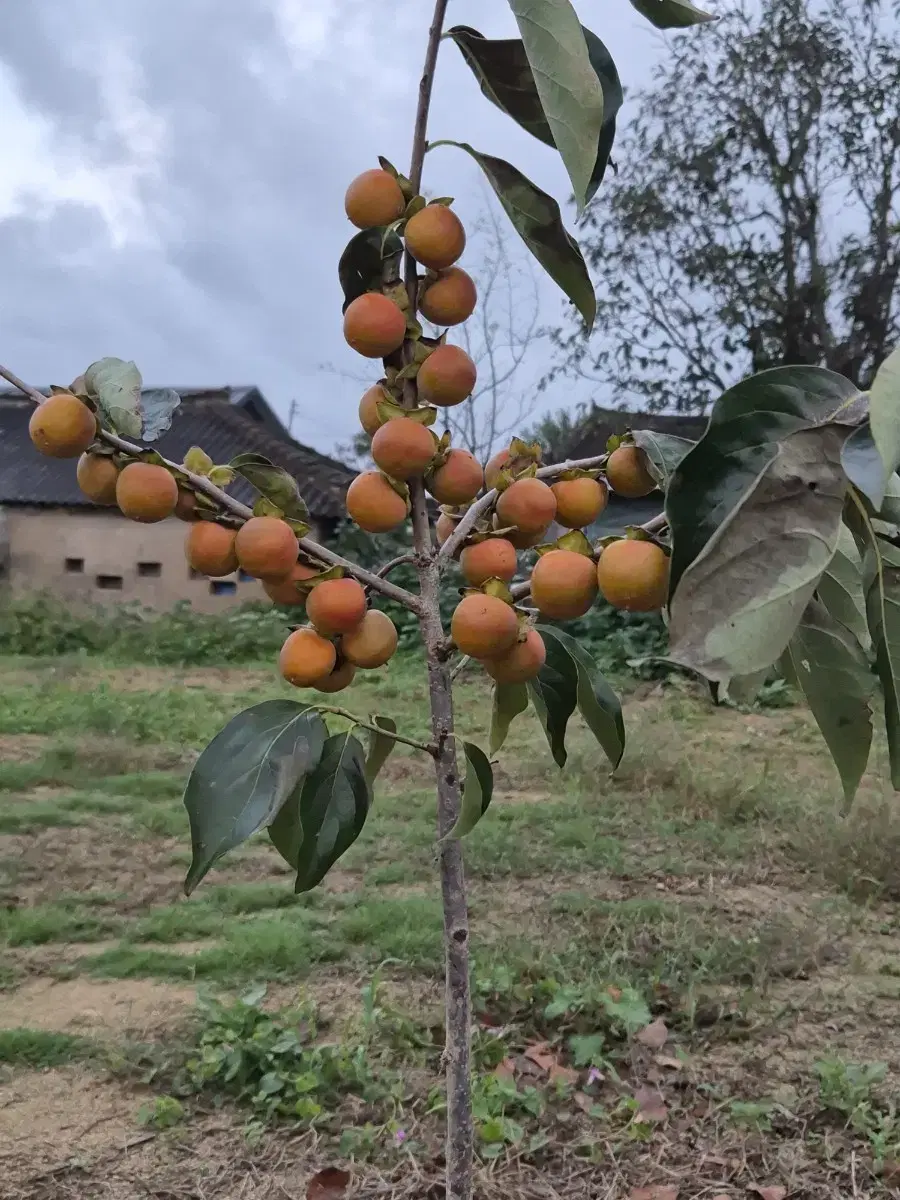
x,y
173,174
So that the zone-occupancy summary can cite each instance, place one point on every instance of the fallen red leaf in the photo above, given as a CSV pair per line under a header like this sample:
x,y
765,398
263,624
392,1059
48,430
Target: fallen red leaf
x,y
768,1193
542,1056
328,1184
563,1075
655,1035
505,1070
663,1192
651,1105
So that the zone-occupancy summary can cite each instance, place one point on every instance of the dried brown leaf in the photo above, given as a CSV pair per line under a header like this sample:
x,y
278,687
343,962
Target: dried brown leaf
x,y
542,1056
768,1193
329,1184
651,1105
655,1035
505,1070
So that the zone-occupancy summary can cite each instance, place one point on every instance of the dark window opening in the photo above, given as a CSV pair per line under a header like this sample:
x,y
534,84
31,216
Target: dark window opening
x,y
222,587
75,566
110,583
244,577
150,570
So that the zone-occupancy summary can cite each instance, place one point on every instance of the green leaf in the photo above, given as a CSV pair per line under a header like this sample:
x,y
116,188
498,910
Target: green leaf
x,y
664,452
597,702
881,576
332,805
828,664
863,465
736,606
567,85
510,699
370,260
380,747
841,588
273,484
159,406
554,694
477,791
116,387
245,775
884,413
740,443
502,69
536,218
671,14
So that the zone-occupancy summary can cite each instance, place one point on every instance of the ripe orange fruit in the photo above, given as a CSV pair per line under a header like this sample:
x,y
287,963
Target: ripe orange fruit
x,y
494,467
634,575
374,198
521,663
627,474
368,409
444,526
146,492
446,377
529,504
459,480
563,584
403,448
283,591
435,237
209,549
186,505
266,547
374,326
372,643
306,658
494,558
97,477
62,427
340,678
579,502
374,505
336,606
484,626
450,299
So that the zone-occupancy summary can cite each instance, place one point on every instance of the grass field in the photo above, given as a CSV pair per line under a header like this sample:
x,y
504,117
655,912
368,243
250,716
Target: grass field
x,y
712,888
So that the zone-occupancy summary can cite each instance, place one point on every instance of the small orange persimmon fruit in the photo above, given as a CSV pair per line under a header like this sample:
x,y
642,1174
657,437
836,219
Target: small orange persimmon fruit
x,y
627,473
435,237
186,505
97,476
484,626
146,492
494,558
209,549
284,591
443,527
528,504
340,678
266,547
450,299
62,427
368,409
374,198
521,663
374,505
446,377
494,467
579,502
458,480
563,584
374,326
634,575
306,658
372,643
336,606
403,448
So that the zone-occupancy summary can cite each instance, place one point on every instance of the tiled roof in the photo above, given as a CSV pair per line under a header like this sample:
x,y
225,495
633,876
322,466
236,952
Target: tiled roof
x,y
214,419
599,423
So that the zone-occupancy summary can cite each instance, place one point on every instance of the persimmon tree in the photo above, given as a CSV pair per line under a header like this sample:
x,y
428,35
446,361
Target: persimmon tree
x,y
778,539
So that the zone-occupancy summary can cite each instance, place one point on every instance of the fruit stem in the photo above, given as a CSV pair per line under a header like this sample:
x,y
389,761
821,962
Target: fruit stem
x,y
426,747
201,484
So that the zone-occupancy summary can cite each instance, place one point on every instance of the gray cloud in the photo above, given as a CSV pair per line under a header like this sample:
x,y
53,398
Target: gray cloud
x,y
213,141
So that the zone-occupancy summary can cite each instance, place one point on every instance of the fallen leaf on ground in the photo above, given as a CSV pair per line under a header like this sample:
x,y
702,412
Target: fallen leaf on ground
x,y
663,1192
563,1075
328,1184
654,1035
666,1060
505,1070
651,1105
768,1193
585,1103
542,1056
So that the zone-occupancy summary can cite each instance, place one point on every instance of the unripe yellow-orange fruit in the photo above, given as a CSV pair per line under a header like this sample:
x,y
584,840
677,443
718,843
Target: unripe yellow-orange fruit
x,y
209,548
563,584
372,643
459,480
374,326
336,606
579,502
627,473
446,377
97,477
186,505
443,527
494,558
306,658
368,409
450,299
529,504
494,467
266,547
146,492
340,678
62,427
284,591
634,575
374,198
403,448
435,237
521,663
374,505
484,626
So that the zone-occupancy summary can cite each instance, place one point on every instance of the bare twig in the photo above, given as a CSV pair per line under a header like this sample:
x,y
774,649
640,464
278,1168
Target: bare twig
x,y
201,484
426,747
394,563
459,667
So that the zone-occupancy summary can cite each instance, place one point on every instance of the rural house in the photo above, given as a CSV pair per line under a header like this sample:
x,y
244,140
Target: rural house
x,y
53,538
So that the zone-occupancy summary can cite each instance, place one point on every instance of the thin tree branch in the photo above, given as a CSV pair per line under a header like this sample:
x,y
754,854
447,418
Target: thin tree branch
x,y
201,484
425,747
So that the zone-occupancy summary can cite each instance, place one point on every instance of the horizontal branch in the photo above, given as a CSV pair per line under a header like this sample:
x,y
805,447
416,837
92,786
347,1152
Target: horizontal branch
x,y
201,484
425,747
